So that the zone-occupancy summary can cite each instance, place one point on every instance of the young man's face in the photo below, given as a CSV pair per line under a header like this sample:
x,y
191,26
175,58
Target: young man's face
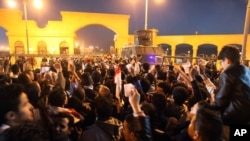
x,y
60,128
225,63
125,131
159,89
25,110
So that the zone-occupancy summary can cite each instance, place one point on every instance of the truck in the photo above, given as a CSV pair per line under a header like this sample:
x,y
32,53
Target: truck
x,y
144,49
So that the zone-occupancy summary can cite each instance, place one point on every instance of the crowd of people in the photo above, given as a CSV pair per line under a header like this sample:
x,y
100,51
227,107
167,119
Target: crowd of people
x,y
72,100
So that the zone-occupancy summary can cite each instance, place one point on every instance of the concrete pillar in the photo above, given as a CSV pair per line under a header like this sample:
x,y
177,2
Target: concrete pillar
x,y
194,55
173,50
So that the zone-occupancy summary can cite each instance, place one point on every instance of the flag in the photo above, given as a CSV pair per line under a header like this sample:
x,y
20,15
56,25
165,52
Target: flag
x,y
118,82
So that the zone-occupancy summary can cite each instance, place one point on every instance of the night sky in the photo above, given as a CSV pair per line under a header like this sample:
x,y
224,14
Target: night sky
x,y
170,17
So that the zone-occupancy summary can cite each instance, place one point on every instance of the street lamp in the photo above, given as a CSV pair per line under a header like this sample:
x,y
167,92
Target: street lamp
x,y
37,3
246,26
146,13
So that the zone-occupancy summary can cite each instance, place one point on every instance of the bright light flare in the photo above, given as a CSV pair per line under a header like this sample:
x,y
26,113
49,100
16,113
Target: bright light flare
x,y
76,44
38,4
159,1
11,3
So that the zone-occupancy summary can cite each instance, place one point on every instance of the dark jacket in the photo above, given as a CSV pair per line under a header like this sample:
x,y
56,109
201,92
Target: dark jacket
x,y
145,133
233,96
103,131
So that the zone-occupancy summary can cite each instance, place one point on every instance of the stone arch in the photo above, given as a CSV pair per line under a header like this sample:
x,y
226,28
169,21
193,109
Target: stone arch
x,y
93,35
116,31
64,47
167,48
42,47
184,51
19,47
207,50
115,22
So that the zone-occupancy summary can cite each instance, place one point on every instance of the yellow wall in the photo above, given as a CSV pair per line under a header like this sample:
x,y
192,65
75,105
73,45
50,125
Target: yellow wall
x,y
57,31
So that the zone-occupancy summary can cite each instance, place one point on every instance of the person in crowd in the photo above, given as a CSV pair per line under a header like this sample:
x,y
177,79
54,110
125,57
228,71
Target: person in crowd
x,y
211,70
87,84
160,75
109,80
165,88
205,125
28,64
146,75
15,107
24,78
6,65
200,92
155,108
96,77
60,81
20,61
58,97
63,127
30,73
136,126
78,102
58,100
4,79
233,94
104,91
33,91
27,131
69,82
105,125
15,72
177,107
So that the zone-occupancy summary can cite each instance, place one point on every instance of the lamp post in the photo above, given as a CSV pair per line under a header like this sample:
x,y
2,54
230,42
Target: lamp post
x,y
38,4
146,12
247,20
146,15
26,25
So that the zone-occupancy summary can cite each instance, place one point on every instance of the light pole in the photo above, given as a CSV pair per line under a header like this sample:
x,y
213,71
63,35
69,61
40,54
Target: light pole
x,y
26,24
247,20
38,4
146,15
146,12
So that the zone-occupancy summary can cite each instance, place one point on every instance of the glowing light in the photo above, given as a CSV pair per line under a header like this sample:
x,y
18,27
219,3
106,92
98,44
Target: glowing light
x,y
12,3
38,4
151,59
159,1
76,44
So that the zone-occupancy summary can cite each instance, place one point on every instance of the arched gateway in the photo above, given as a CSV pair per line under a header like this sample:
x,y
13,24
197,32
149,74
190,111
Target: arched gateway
x,y
56,32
